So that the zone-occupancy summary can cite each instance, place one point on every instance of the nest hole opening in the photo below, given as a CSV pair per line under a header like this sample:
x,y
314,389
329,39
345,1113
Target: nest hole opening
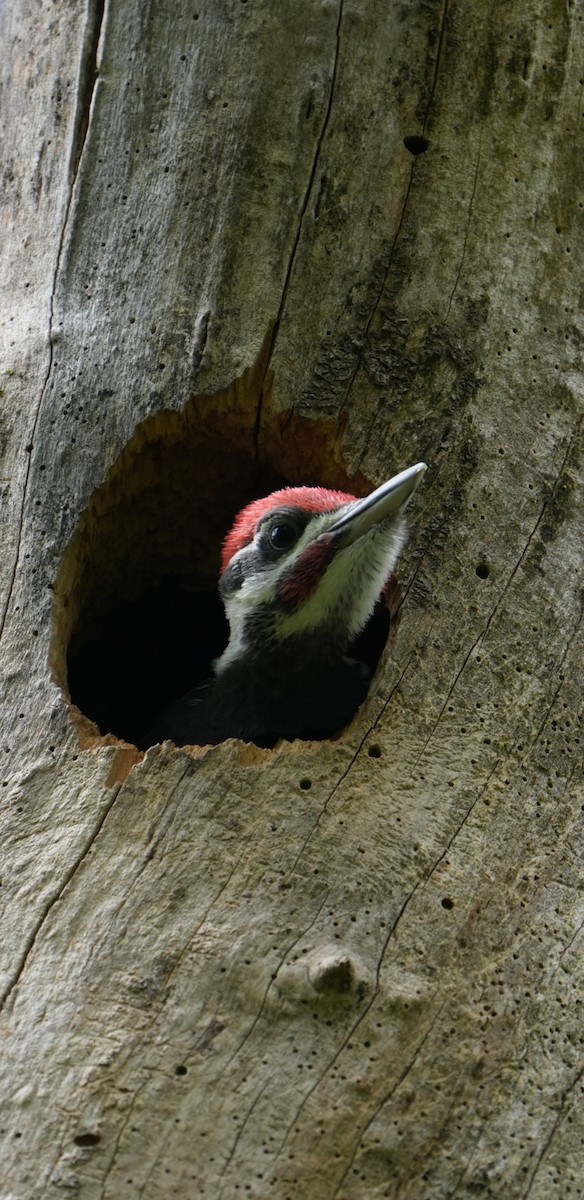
x,y
137,619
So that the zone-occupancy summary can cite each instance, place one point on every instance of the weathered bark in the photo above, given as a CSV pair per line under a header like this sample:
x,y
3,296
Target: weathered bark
x,y
346,969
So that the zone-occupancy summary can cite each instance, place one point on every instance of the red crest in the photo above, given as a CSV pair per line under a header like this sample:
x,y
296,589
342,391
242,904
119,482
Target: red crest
x,y
310,499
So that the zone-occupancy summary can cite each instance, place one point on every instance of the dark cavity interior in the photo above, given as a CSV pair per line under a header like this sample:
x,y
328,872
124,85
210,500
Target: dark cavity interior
x,y
138,620
142,654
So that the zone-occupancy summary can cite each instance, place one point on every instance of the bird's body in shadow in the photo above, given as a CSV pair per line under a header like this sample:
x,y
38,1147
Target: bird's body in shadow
x,y
302,572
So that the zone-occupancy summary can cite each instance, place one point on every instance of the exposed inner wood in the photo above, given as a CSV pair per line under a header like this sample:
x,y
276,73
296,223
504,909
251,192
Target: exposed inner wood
x,y
137,619
336,970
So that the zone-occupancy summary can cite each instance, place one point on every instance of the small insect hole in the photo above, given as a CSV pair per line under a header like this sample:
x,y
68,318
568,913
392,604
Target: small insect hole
x,y
87,1139
416,144
482,571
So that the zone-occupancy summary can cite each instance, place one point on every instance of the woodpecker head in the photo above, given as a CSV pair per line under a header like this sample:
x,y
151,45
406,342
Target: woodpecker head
x,y
310,563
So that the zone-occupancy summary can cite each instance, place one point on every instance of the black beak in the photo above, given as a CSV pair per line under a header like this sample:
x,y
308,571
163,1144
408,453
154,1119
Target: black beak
x,y
360,516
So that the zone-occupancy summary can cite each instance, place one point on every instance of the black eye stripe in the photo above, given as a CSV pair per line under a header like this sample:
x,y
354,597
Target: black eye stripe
x,y
280,531
264,553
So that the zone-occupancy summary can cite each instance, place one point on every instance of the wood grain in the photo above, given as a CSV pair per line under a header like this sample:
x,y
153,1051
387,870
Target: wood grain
x,y
342,970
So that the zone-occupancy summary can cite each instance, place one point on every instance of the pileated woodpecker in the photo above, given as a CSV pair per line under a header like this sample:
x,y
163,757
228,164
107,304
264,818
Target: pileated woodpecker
x,y
302,571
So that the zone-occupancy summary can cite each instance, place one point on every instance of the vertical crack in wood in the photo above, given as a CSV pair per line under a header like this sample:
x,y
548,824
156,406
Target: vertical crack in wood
x,y
395,240
237,1139
496,609
570,641
86,82
387,1097
302,214
345,773
554,1126
574,441
144,1035
129,1112
33,935
441,39
467,227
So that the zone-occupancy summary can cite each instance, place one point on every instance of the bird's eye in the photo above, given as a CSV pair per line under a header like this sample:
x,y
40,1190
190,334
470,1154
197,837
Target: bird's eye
x,y
282,536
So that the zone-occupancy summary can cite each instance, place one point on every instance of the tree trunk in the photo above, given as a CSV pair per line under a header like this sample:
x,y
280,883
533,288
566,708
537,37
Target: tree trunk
x,y
315,242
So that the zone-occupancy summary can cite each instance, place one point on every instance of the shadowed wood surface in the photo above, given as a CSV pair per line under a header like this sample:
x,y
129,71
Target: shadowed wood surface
x,y
338,970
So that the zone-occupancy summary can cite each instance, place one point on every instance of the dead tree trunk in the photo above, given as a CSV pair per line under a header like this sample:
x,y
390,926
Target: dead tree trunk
x,y
314,242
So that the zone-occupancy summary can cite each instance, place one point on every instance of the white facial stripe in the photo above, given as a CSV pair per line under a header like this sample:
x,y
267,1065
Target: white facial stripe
x,y
343,601
351,585
260,588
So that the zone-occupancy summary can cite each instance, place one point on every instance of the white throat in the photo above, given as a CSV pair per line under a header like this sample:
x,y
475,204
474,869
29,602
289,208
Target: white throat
x,y
339,606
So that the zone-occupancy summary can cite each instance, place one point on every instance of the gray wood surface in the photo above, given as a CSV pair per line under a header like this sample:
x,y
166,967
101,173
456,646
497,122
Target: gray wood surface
x,y
332,971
